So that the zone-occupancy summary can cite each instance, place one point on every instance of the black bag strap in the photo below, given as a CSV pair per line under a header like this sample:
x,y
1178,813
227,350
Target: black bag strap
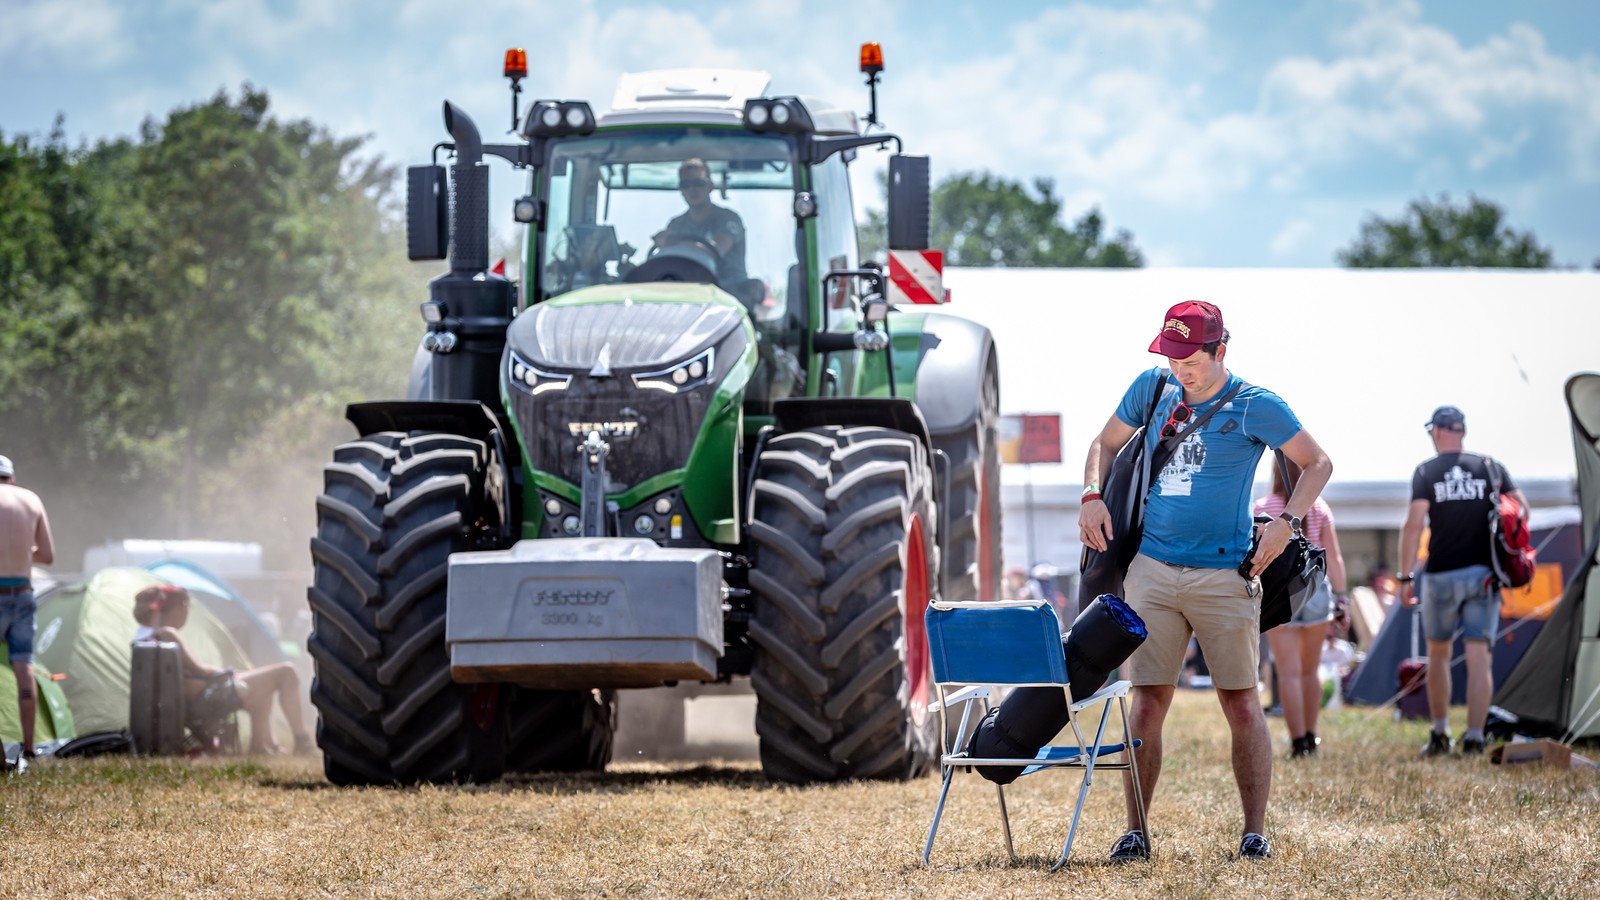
x,y
1283,470
1155,399
1494,470
1168,446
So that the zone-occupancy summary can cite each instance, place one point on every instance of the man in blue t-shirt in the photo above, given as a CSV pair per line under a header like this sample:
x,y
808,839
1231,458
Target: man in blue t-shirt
x,y
1197,531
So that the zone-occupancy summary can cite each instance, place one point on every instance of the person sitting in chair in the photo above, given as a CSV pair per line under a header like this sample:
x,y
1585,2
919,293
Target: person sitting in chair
x,y
716,227
161,610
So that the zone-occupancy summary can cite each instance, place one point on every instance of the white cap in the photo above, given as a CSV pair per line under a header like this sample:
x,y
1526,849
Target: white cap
x,y
6,470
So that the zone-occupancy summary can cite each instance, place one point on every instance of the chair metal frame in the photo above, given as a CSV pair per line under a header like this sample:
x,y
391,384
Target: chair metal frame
x,y
1009,644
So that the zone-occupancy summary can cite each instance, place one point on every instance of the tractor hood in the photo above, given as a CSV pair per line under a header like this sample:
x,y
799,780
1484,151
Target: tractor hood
x,y
624,328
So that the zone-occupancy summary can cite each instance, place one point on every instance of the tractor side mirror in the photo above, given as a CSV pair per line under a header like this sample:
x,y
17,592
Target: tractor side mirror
x,y
427,202
910,219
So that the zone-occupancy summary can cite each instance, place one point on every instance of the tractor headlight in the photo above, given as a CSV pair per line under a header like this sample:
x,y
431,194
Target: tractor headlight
x,y
555,118
685,376
787,114
532,380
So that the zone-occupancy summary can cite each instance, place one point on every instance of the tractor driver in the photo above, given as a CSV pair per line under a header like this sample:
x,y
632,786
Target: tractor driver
x,y
716,227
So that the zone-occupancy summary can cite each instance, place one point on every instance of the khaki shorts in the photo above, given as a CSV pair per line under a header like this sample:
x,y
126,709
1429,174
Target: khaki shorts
x,y
1220,608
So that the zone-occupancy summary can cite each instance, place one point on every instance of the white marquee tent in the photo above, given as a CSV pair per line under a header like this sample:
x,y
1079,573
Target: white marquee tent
x,y
1363,356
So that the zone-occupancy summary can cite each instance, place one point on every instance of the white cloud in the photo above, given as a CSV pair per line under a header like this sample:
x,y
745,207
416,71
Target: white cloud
x,y
1402,85
263,26
1289,237
35,31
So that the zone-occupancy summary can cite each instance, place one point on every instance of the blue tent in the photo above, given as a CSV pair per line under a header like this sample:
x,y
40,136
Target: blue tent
x,y
254,638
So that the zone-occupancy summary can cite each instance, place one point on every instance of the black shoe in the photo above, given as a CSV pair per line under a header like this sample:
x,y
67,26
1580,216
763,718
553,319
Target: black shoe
x,y
1471,746
1130,847
1438,745
1254,846
1297,748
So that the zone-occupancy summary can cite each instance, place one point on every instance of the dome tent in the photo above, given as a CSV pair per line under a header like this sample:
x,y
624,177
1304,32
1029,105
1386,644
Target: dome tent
x,y
247,629
85,633
53,725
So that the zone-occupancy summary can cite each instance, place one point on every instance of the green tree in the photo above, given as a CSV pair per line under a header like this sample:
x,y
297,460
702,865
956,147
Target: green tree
x,y
980,219
168,298
1440,234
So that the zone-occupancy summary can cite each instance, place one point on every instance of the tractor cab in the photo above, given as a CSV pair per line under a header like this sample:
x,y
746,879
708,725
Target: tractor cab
x,y
696,176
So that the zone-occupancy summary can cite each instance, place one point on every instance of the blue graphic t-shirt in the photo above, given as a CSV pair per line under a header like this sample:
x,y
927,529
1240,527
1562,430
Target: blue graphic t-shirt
x,y
1198,511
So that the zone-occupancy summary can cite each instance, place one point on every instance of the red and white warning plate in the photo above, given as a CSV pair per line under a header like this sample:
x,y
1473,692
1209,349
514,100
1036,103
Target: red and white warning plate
x,y
916,276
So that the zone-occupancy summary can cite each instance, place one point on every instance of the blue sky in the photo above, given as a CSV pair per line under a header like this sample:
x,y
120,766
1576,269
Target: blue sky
x,y
1219,133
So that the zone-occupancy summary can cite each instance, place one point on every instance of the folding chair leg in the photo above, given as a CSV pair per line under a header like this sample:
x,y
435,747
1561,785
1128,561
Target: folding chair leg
x,y
1083,788
1005,821
938,810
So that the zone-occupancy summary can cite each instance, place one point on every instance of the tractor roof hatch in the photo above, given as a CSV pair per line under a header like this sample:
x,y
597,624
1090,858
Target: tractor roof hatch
x,y
707,96
679,95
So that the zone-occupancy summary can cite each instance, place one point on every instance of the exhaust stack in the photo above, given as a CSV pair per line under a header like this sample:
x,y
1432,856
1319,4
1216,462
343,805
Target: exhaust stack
x,y
469,196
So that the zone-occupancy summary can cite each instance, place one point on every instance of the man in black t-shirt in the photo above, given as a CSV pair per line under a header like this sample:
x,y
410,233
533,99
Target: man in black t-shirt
x,y
706,223
1451,491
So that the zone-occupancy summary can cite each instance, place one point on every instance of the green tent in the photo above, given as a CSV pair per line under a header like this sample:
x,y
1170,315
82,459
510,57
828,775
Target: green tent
x,y
85,633
53,722
1556,685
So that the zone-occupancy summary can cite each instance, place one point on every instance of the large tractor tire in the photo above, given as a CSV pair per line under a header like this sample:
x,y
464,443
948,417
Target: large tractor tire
x,y
393,510
843,534
561,731
972,511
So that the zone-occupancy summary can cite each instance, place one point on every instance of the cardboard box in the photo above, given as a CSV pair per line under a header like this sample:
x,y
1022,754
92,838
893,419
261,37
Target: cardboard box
x,y
1544,751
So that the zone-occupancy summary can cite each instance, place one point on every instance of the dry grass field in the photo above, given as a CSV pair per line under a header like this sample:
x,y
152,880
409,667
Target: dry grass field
x,y
1365,818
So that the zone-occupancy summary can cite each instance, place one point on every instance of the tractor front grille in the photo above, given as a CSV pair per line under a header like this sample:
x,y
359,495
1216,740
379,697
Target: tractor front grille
x,y
663,428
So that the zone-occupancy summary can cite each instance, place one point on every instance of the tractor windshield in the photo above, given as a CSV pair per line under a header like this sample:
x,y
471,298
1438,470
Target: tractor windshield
x,y
718,199
686,204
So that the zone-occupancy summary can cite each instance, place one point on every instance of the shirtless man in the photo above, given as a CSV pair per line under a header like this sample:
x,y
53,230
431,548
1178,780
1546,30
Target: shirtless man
x,y
24,540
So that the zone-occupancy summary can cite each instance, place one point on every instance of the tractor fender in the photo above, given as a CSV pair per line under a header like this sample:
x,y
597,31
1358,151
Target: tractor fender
x,y
468,418
951,370
898,413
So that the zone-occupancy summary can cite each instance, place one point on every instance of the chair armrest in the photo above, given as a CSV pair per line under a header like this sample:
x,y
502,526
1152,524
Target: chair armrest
x,y
1114,689
965,695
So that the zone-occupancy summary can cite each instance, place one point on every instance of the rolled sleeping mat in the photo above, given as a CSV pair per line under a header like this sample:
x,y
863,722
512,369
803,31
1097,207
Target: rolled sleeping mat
x,y
1102,638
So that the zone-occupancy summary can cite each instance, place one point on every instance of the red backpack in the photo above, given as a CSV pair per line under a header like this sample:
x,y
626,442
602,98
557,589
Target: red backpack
x,y
1513,554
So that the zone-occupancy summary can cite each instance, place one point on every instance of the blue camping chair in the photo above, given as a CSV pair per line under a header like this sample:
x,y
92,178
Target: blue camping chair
x,y
979,647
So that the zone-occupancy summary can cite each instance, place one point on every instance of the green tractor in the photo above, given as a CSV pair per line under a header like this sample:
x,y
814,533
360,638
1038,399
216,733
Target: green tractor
x,y
695,444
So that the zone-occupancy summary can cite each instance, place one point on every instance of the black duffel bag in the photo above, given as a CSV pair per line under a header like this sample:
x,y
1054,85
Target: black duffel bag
x,y
1291,578
1101,572
1102,638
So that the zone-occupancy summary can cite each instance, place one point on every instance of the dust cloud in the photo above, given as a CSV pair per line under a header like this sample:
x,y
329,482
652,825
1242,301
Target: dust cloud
x,y
687,722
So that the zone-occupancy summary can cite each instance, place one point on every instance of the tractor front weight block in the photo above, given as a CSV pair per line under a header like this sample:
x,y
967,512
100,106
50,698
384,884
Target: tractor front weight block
x,y
586,612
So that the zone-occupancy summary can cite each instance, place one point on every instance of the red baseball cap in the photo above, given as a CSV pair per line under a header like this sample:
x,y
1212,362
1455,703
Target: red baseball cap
x,y
1188,325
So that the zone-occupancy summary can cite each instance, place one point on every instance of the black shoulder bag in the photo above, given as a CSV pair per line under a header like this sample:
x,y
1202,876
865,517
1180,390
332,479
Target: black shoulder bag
x,y
1291,579
1126,487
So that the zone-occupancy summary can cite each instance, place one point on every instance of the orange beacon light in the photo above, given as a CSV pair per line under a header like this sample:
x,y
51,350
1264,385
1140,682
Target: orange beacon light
x,y
516,63
871,58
